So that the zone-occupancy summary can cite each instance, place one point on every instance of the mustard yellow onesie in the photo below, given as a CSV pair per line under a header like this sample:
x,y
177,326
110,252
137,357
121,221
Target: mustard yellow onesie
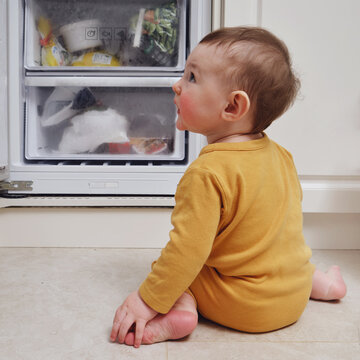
x,y
237,240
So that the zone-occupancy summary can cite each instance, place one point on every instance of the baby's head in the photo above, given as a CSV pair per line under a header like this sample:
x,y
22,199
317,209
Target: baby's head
x,y
258,63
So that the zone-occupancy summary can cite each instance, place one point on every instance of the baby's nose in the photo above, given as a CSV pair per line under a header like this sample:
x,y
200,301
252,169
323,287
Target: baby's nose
x,y
176,88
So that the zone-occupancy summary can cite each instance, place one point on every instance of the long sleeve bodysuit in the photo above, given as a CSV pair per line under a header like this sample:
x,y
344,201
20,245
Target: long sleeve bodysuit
x,y
237,240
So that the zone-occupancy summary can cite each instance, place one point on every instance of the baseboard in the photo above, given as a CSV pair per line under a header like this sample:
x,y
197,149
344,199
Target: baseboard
x,y
140,228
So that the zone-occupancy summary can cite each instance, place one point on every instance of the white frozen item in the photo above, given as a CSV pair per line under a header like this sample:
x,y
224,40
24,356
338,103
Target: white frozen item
x,y
93,128
81,35
57,107
63,104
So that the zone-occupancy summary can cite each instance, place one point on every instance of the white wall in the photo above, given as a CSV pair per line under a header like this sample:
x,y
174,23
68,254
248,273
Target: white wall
x,y
322,130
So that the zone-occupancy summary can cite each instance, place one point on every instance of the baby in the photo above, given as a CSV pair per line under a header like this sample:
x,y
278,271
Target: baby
x,y
236,252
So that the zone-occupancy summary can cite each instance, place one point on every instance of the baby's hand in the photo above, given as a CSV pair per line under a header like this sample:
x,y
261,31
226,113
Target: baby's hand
x,y
132,311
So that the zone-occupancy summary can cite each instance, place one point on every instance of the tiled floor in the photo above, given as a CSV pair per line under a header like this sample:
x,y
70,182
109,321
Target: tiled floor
x,y
59,304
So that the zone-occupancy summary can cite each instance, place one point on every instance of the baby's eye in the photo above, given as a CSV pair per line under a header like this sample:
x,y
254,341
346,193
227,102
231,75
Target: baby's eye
x,y
192,77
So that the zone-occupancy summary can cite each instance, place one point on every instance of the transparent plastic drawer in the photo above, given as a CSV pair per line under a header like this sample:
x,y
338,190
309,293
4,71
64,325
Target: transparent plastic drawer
x,y
92,122
105,35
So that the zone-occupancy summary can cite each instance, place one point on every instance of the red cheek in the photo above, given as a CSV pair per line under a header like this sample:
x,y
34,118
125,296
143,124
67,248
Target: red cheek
x,y
186,106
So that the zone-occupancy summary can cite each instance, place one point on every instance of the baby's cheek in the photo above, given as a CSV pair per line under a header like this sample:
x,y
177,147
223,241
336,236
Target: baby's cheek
x,y
186,106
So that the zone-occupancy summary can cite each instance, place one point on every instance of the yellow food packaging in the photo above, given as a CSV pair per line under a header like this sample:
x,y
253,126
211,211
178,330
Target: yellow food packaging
x,y
96,58
52,52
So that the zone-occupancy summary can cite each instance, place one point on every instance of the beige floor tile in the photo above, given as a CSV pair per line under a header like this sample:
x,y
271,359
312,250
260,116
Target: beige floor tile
x,y
263,351
316,324
59,304
348,260
321,321
14,350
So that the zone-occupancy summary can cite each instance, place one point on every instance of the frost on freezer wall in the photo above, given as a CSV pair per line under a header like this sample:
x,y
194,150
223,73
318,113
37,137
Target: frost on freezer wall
x,y
3,88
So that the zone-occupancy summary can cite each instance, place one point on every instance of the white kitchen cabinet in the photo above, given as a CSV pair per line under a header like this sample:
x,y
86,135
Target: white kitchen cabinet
x,y
322,129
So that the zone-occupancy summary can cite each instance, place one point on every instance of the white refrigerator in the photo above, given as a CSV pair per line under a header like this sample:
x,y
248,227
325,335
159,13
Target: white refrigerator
x,y
88,115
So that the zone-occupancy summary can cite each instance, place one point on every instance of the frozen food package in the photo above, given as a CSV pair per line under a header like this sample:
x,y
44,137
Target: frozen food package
x,y
95,58
151,134
81,35
92,128
52,52
64,103
149,146
154,33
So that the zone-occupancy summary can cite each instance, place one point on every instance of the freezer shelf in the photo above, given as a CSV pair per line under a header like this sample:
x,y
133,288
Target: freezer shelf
x,y
138,35
102,123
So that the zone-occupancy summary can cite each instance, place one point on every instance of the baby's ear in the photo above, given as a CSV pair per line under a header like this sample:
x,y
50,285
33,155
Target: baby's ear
x,y
238,106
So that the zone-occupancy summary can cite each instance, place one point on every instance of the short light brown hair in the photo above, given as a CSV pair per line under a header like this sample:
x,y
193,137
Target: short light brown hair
x,y
259,64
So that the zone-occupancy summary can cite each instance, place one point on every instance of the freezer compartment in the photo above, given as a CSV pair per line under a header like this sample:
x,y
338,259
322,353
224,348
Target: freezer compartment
x,y
102,123
105,35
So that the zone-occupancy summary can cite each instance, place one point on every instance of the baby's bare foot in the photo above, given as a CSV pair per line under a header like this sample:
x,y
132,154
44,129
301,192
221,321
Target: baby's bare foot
x,y
337,288
329,285
176,324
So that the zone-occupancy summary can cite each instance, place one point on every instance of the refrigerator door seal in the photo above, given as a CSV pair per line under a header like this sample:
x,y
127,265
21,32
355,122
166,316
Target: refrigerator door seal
x,y
4,157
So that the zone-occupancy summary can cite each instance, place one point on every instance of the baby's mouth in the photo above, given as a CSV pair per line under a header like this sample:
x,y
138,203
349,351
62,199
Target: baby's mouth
x,y
177,108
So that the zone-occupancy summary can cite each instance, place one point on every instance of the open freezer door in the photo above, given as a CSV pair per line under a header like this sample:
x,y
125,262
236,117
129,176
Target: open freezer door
x,y
3,92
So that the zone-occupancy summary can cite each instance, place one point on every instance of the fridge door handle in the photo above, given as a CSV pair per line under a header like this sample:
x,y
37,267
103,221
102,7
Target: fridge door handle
x,y
116,81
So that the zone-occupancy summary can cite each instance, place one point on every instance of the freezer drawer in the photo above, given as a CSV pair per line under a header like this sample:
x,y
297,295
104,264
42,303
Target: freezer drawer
x,y
91,122
105,35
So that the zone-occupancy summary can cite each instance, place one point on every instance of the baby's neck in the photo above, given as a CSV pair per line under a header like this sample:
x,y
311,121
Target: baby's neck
x,y
236,138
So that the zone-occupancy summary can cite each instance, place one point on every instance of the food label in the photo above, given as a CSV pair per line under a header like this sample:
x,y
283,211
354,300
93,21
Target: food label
x,y
99,58
57,55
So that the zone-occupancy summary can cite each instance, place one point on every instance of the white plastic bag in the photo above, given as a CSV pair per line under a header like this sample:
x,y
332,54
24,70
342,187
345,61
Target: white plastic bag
x,y
93,128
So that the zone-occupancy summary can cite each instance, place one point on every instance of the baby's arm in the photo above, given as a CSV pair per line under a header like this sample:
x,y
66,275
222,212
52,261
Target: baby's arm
x,y
195,219
132,311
